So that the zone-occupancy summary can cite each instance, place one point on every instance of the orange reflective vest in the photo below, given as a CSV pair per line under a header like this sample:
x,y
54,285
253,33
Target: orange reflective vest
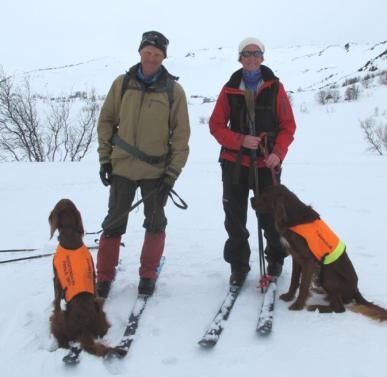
x,y
325,245
74,270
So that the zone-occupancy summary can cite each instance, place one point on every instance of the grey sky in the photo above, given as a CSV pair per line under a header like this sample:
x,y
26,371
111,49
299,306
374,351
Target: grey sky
x,y
41,33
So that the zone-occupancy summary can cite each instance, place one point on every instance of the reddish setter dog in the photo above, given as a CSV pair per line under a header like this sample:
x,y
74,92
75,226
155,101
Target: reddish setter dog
x,y
83,319
335,272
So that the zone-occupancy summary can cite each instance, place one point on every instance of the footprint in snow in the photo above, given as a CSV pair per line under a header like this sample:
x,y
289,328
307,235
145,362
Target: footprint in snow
x,y
170,360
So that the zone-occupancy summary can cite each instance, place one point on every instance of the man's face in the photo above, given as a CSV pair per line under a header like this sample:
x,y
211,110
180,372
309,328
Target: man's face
x,y
250,62
151,60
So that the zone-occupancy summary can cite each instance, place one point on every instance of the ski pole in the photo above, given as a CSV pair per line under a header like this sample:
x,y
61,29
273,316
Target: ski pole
x,y
16,250
250,104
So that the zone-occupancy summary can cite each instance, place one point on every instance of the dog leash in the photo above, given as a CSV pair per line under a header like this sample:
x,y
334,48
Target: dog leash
x,y
37,256
181,205
264,149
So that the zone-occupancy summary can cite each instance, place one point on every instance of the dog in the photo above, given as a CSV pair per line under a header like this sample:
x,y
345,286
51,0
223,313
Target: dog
x,y
296,222
83,319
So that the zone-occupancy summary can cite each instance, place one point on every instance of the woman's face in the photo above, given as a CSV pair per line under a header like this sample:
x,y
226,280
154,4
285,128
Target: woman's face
x,y
251,58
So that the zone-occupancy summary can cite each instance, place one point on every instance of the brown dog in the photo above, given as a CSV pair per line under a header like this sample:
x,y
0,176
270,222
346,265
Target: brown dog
x,y
83,319
315,250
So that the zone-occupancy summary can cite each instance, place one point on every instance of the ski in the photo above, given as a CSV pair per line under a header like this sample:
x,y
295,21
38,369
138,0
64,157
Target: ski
x,y
211,336
122,349
72,357
265,319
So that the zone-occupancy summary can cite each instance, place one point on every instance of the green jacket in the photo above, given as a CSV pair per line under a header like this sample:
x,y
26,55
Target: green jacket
x,y
143,118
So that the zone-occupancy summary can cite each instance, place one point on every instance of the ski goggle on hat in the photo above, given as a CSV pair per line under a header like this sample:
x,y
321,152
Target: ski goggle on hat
x,y
155,39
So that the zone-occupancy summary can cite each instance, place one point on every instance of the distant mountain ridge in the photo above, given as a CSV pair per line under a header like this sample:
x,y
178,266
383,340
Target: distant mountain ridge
x,y
301,68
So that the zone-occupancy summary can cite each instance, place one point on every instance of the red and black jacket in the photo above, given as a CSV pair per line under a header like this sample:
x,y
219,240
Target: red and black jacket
x,y
273,115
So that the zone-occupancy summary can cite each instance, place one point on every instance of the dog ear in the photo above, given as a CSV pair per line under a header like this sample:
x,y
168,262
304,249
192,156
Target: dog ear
x,y
78,220
280,214
53,220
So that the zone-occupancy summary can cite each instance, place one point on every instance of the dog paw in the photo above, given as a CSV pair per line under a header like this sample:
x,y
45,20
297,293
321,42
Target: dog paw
x,y
287,297
296,306
312,308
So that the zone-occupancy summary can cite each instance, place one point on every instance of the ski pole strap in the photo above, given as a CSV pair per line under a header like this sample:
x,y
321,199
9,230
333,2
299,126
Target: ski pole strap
x,y
182,205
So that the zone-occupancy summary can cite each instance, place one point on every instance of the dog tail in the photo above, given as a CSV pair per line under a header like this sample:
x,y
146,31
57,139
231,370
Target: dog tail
x,y
100,349
93,347
368,309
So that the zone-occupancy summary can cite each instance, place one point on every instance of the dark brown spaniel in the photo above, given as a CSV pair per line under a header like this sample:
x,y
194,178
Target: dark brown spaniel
x,y
315,250
83,319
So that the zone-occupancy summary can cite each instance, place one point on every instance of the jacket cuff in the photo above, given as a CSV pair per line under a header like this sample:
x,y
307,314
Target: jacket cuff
x,y
171,172
104,160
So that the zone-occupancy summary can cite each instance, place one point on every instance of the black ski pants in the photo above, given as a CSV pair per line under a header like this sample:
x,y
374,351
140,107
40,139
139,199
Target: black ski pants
x,y
235,204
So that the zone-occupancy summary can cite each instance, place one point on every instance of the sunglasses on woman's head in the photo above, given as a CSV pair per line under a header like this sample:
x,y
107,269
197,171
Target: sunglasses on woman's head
x,y
256,54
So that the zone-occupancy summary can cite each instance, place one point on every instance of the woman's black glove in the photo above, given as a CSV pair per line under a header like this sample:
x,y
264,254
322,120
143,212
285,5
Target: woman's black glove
x,y
105,173
165,186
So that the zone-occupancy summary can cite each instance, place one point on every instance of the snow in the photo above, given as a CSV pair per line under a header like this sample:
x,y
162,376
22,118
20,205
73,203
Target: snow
x,y
327,166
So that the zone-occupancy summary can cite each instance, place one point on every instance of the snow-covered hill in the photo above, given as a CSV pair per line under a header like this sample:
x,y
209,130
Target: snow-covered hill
x,y
202,72
327,166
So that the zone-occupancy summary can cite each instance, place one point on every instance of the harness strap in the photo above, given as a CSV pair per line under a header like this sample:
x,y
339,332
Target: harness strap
x,y
137,153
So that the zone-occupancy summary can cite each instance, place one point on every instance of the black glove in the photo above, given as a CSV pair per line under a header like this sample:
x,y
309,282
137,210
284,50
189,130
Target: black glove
x,y
165,186
105,172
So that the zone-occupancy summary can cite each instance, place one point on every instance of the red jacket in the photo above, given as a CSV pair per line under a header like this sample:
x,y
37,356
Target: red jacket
x,y
232,141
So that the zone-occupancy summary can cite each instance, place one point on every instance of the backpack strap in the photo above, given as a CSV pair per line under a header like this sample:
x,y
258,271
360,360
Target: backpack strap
x,y
116,140
125,82
169,88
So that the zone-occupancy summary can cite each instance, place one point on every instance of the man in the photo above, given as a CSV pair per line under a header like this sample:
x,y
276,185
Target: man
x,y
143,133
229,124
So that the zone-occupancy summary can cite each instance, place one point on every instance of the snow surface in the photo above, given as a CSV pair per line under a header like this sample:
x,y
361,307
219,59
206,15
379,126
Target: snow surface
x,y
327,166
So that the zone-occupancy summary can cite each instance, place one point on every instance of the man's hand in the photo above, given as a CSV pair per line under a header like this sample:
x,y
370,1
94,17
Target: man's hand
x,y
105,173
165,186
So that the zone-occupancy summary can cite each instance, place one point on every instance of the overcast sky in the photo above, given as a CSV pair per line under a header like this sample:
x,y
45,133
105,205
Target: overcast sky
x,y
42,33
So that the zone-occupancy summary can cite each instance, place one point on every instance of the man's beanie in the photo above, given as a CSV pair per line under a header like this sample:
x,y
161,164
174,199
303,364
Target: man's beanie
x,y
155,39
251,41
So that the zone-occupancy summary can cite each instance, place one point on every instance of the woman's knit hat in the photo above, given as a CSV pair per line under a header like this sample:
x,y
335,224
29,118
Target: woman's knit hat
x,y
251,41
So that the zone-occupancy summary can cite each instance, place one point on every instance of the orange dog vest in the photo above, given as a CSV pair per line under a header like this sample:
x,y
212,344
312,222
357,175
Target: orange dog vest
x,y
322,241
74,270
